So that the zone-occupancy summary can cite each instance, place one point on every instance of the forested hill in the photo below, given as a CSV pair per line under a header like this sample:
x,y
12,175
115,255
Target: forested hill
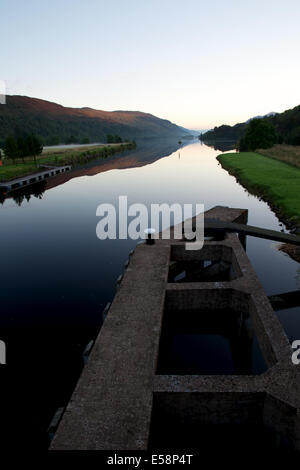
x,y
55,124
287,125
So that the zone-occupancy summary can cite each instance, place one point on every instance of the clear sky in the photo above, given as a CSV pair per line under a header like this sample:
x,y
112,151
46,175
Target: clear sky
x,y
197,63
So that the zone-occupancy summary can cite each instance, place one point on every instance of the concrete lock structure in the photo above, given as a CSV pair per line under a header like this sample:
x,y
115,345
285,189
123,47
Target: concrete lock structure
x,y
131,396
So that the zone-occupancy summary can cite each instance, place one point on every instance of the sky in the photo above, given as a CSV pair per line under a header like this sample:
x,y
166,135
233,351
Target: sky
x,y
197,63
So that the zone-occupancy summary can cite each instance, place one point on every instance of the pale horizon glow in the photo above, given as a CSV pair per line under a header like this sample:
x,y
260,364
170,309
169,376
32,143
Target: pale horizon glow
x,y
198,64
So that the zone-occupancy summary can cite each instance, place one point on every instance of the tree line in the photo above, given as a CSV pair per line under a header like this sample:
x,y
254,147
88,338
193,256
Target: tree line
x,y
260,134
22,147
286,124
115,139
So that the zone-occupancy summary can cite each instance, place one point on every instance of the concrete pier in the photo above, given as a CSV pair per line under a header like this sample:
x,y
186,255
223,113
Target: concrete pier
x,y
122,401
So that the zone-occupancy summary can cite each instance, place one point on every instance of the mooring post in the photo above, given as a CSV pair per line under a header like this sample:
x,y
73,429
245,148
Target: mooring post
x,y
149,235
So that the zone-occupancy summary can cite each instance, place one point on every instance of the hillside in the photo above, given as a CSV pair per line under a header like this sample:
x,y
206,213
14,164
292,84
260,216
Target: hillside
x,y
287,125
55,124
225,132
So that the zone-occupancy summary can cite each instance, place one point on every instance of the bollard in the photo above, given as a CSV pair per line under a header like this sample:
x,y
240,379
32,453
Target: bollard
x,y
149,235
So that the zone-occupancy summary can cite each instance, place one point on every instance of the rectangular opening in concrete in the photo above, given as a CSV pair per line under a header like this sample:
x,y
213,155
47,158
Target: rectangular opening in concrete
x,y
207,265
211,421
201,271
208,340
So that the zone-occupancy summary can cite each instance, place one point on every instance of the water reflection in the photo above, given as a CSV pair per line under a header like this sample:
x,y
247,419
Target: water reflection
x,y
24,194
223,146
152,150
209,342
147,151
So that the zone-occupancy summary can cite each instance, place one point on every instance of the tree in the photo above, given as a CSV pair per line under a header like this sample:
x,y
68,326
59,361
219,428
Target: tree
x,y
72,140
33,146
294,136
11,148
53,140
23,150
113,139
24,146
260,133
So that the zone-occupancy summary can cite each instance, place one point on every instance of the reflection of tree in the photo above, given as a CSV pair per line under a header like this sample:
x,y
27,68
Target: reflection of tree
x,y
37,190
38,193
18,198
222,146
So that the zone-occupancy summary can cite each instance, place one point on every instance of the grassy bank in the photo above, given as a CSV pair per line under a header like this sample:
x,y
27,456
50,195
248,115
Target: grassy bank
x,y
285,153
275,181
11,170
8,172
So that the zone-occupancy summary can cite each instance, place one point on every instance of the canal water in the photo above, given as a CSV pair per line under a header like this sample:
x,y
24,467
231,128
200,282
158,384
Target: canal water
x,y
57,276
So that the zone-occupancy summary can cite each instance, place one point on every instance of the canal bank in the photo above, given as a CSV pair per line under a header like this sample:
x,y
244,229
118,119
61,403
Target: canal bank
x,y
60,158
274,181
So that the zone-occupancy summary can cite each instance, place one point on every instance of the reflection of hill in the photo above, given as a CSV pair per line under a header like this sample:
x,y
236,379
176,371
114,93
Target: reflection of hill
x,y
146,152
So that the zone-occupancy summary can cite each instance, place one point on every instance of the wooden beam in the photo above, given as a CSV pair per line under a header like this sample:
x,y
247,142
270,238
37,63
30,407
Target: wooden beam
x,y
285,300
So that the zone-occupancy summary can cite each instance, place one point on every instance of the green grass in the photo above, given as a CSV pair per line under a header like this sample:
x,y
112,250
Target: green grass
x,y
76,157
276,182
286,153
8,172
